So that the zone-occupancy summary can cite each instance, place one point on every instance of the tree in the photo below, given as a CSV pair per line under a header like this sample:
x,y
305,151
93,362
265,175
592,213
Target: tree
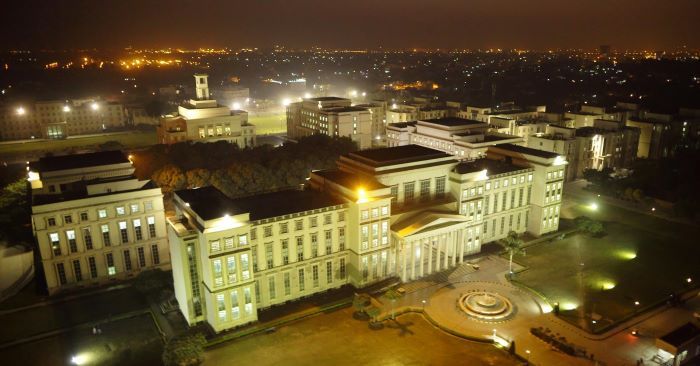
x,y
155,283
187,350
169,178
14,213
587,225
361,302
513,244
392,295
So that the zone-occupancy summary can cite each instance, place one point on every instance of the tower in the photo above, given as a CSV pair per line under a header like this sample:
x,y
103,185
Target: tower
x,y
202,86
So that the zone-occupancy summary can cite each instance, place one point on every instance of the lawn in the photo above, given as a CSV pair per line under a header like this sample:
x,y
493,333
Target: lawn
x,y
641,259
269,123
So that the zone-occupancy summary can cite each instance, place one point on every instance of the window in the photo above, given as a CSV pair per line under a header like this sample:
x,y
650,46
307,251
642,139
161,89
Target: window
x,y
285,252
385,263
55,244
228,243
218,272
111,270
134,207
314,245
151,220
301,279
127,260
105,235
87,238
72,244
248,306
93,267
341,238
83,216
394,193
67,219
505,182
242,240
137,229
231,269
61,273
375,235
76,270
298,225
121,211
284,228
375,267
328,241
385,232
300,248
329,272
267,231
102,213
123,232
385,210
155,255
141,256
341,216
215,245
365,268
313,221
253,234
314,275
440,187
364,230
271,287
268,255
51,221
408,192
425,190
287,284
342,268
364,215
245,268
529,193
254,259
327,219
221,307
148,205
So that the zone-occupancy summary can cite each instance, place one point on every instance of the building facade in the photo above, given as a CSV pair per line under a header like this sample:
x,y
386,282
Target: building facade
x,y
60,119
400,212
204,120
93,221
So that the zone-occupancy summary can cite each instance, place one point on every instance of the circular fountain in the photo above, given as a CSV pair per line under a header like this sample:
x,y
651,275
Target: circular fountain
x,y
487,306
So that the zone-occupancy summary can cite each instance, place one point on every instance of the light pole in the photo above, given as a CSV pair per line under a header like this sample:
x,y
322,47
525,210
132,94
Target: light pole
x,y
527,351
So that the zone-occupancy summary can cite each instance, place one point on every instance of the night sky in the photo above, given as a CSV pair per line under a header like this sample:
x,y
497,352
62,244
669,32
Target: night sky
x,y
534,24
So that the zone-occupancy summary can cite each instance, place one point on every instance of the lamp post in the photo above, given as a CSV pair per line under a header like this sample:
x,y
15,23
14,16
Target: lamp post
x,y
527,351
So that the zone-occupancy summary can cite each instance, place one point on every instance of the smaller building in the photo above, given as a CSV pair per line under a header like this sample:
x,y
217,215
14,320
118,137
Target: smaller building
x,y
680,346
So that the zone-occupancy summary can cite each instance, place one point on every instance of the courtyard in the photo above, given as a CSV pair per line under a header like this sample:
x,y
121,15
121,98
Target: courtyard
x,y
599,281
336,338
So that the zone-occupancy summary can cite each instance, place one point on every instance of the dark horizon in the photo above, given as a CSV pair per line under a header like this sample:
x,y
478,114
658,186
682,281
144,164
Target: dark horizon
x,y
361,24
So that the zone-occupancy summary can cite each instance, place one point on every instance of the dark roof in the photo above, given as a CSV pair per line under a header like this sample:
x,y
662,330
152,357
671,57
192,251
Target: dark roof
x,y
403,124
325,99
452,121
527,150
76,161
209,203
345,109
492,138
492,167
682,335
397,155
349,180
78,190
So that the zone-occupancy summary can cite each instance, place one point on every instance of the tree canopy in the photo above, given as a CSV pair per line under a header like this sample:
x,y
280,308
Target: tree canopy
x,y
187,350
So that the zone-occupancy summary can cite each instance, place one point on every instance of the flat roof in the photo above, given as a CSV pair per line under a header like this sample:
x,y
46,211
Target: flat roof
x,y
403,124
79,191
77,161
344,109
398,155
528,150
210,203
349,180
452,121
492,167
326,99
682,335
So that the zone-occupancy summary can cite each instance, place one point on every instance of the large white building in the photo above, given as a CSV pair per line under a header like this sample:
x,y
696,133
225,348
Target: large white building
x,y
463,138
203,120
405,211
331,116
93,221
59,119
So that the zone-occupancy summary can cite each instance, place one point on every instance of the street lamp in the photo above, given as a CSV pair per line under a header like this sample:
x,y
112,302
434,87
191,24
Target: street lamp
x,y
94,106
688,280
21,111
66,108
636,303
527,351
593,206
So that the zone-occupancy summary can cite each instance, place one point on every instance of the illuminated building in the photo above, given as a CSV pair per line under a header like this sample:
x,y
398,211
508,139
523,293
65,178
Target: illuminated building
x,y
465,139
406,211
93,221
330,116
60,119
203,120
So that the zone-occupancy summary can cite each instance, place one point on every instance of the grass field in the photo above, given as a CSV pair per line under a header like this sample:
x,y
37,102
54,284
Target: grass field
x,y
39,147
640,262
269,123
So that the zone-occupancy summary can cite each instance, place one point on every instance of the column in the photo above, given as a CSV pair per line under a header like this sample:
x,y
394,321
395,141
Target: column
x,y
437,253
462,238
413,260
454,247
403,260
446,259
430,256
421,256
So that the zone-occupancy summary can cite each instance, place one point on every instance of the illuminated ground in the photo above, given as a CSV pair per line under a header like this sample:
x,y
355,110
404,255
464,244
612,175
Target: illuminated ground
x,y
337,339
642,259
269,123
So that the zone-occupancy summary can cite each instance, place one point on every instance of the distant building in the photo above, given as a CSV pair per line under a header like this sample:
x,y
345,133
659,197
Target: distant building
x,y
331,116
93,221
377,109
204,120
59,119
406,211
465,139
679,346
562,141
233,96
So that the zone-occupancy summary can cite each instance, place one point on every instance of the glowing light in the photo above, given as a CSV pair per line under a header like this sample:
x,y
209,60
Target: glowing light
x,y
546,308
94,106
394,106
353,93
79,359
626,254
21,111
307,95
636,303
593,206
286,102
361,195
483,175
568,305
607,285
66,108
689,280
364,94
32,176
559,160
236,106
